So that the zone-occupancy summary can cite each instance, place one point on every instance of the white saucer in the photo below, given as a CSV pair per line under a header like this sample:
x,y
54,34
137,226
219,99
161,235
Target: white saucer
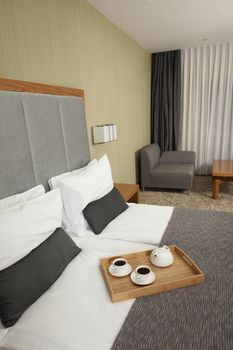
x,y
149,280
127,270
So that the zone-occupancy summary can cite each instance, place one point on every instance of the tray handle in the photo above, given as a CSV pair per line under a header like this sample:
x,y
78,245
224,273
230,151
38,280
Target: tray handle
x,y
188,261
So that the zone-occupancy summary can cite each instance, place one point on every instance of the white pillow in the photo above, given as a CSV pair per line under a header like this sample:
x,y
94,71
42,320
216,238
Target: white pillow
x,y
55,179
80,189
24,227
22,197
54,183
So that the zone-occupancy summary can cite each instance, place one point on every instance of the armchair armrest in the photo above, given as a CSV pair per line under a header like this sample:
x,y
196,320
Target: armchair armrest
x,y
178,157
149,157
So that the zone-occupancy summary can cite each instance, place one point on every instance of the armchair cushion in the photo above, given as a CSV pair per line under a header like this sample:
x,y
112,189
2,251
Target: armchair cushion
x,y
172,176
178,157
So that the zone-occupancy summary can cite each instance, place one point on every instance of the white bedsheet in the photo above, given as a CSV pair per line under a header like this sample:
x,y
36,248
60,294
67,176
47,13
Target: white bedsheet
x,y
139,223
76,313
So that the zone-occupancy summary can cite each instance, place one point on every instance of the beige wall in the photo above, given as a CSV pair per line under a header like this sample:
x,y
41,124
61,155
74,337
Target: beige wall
x,y
69,43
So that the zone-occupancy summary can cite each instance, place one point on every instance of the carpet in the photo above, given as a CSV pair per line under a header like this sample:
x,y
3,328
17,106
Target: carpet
x,y
200,197
197,317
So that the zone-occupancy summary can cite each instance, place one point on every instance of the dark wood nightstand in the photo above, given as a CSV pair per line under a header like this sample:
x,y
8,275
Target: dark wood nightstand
x,y
130,192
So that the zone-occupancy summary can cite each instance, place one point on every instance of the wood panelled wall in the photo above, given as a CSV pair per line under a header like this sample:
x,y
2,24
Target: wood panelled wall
x,y
68,42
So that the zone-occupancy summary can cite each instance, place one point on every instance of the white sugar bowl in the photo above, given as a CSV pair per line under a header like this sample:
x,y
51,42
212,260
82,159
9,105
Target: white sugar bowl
x,y
161,256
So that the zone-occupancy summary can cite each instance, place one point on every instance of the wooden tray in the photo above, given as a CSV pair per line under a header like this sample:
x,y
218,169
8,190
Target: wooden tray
x,y
182,273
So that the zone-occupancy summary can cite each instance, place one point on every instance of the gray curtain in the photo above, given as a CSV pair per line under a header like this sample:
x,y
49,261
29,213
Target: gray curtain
x,y
165,99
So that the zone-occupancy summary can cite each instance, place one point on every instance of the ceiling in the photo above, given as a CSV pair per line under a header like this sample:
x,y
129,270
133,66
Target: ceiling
x,y
161,25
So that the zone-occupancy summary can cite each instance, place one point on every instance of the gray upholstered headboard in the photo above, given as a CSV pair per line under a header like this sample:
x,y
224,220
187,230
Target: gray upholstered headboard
x,y
42,134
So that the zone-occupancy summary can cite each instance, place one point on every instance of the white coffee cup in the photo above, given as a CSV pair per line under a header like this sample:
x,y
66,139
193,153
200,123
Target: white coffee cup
x,y
119,265
142,273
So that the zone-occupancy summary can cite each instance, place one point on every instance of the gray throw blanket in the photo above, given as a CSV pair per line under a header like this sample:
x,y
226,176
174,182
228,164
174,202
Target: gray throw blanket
x,y
192,318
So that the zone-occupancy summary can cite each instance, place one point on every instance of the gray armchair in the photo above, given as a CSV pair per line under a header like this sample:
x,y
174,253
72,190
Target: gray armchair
x,y
172,169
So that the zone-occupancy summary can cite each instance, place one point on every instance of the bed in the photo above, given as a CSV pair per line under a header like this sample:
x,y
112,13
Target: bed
x,y
42,134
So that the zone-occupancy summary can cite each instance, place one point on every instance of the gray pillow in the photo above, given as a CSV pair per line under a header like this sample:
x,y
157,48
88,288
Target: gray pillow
x,y
24,282
101,212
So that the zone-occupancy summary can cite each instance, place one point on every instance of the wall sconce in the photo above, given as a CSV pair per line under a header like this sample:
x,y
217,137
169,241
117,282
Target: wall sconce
x,y
104,133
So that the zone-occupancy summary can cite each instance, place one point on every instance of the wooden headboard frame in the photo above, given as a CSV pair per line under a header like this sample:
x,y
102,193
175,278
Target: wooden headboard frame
x,y
25,86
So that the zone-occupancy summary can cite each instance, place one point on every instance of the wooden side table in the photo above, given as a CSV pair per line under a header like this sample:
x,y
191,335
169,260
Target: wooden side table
x,y
130,192
222,172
